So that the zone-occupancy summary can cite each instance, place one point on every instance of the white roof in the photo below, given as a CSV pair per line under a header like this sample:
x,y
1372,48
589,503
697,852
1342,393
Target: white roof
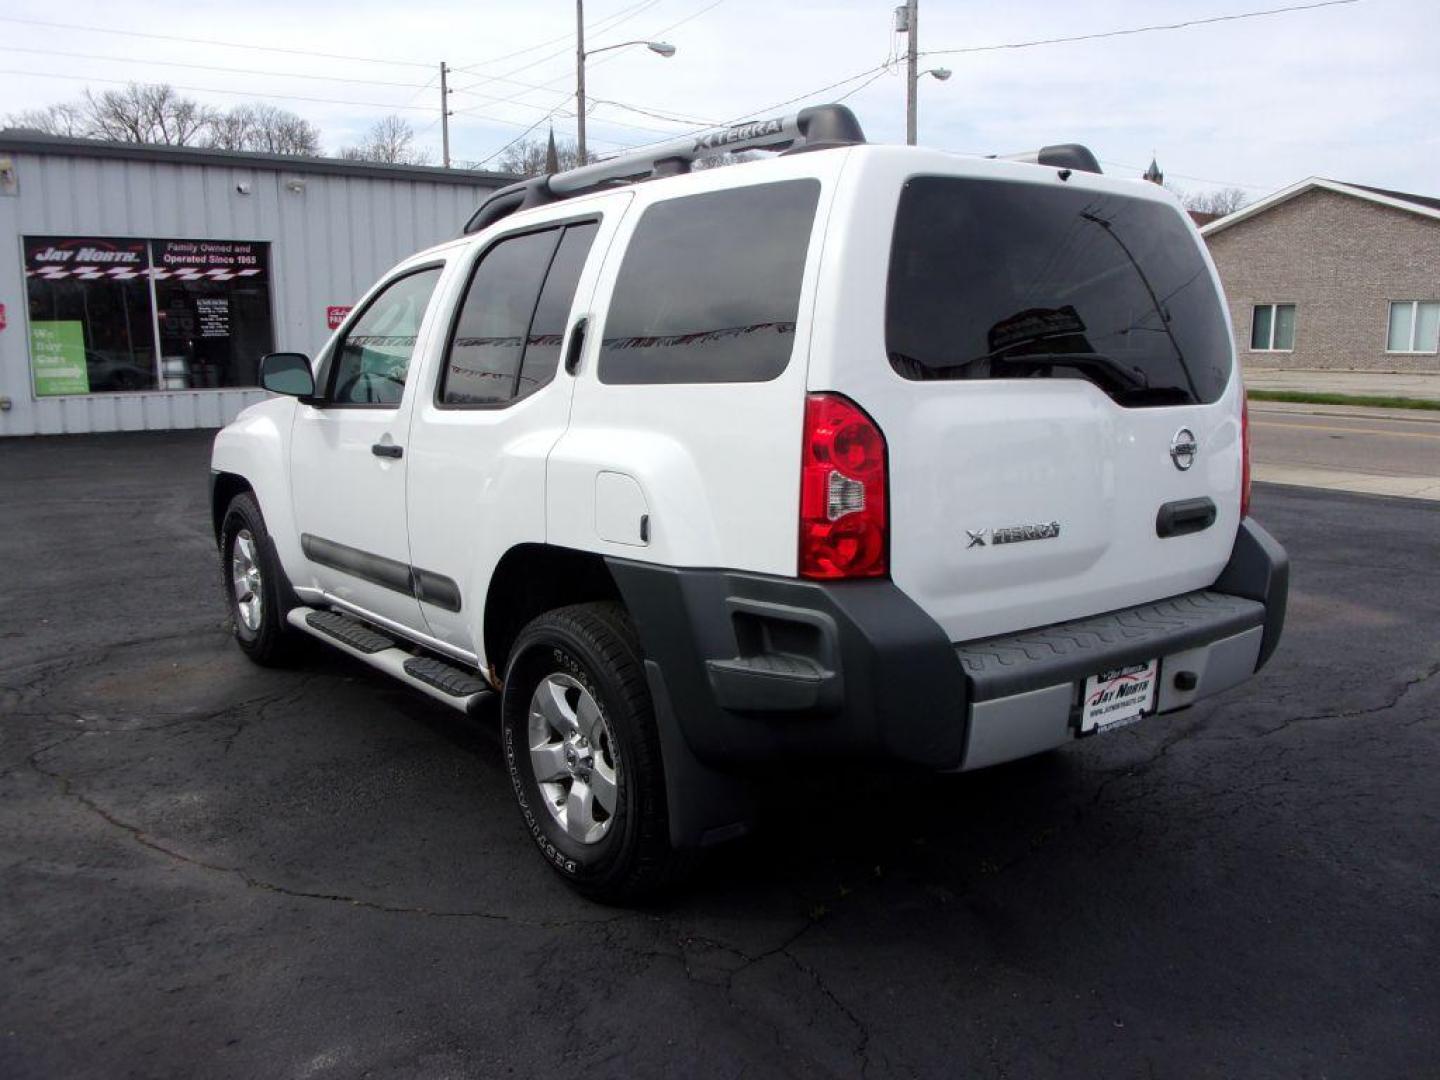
x,y
1320,183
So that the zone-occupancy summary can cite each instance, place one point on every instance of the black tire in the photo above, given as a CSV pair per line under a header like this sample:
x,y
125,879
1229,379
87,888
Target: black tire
x,y
594,645
273,642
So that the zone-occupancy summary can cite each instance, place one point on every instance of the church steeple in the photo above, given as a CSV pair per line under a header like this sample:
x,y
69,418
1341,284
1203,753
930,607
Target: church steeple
x,y
1153,173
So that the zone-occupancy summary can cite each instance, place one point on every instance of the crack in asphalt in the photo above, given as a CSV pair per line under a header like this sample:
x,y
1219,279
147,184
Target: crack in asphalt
x,y
1352,714
136,833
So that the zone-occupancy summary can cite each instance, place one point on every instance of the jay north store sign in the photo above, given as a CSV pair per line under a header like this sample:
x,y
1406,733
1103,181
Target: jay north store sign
x,y
99,305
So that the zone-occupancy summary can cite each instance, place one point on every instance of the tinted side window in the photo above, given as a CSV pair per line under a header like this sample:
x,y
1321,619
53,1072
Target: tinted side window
x,y
489,341
710,286
372,359
547,329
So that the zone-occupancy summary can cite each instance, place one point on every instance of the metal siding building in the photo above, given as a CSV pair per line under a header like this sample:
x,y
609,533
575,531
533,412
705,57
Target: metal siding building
x,y
331,228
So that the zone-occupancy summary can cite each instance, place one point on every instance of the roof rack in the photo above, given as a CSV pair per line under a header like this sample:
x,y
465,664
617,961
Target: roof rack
x,y
810,129
1060,156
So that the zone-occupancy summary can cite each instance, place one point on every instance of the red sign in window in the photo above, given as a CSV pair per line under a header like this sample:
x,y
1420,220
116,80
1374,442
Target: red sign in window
x,y
335,315
2,316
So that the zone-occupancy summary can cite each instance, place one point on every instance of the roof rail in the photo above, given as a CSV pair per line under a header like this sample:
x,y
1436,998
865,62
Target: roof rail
x,y
1061,156
810,129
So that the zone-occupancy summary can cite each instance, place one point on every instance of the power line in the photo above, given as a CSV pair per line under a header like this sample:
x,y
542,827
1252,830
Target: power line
x,y
613,20
213,67
1141,29
549,87
599,28
673,118
1186,176
768,108
388,106
213,41
851,93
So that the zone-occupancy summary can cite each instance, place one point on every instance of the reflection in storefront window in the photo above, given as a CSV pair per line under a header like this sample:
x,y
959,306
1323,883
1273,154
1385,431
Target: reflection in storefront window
x,y
213,302
96,305
90,324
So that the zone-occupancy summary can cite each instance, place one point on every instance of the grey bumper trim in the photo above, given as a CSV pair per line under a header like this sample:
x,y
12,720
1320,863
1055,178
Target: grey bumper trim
x,y
1006,728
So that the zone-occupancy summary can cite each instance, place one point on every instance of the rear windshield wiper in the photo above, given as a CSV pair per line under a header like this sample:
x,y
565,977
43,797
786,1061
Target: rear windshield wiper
x,y
1125,378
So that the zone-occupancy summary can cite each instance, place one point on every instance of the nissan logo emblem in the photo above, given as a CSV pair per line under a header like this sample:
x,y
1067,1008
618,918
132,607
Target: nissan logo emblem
x,y
1183,449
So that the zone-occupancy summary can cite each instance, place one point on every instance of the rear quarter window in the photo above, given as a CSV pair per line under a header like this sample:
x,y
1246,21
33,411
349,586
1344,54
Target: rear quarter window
x,y
992,279
709,287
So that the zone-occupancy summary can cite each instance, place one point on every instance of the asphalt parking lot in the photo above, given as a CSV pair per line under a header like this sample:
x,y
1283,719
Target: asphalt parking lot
x,y
207,868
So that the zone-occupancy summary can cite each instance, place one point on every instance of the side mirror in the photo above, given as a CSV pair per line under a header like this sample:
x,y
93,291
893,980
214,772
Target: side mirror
x,y
287,373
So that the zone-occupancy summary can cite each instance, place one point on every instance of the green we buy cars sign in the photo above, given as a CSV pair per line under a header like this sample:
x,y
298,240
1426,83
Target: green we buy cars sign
x,y
57,358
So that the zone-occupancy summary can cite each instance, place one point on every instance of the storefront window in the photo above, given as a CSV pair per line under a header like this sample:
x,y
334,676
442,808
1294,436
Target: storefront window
x,y
90,325
97,305
213,301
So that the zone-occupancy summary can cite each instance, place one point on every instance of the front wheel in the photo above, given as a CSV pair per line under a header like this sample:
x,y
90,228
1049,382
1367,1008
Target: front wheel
x,y
583,753
252,582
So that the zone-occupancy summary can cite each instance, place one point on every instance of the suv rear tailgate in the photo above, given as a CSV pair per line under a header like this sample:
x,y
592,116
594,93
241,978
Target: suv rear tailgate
x,y
1038,350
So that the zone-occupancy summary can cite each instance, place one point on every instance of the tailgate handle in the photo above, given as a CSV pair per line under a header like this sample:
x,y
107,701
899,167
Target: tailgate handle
x,y
1184,516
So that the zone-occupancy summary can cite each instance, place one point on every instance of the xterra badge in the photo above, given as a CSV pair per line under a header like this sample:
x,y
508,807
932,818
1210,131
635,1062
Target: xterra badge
x,y
1013,534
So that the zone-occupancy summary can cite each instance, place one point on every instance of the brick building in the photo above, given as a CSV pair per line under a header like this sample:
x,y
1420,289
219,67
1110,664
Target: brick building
x,y
1332,275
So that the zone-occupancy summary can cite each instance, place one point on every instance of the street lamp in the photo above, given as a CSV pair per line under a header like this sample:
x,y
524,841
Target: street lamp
x,y
661,48
940,74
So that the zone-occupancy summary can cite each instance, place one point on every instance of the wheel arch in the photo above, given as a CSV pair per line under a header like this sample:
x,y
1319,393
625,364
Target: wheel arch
x,y
224,486
531,579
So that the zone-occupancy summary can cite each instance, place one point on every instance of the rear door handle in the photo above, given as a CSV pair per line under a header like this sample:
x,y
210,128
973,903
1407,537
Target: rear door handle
x,y
577,343
389,450
1184,516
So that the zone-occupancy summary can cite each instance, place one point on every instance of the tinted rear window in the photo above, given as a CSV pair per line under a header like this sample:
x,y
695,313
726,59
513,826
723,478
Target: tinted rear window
x,y
710,286
995,280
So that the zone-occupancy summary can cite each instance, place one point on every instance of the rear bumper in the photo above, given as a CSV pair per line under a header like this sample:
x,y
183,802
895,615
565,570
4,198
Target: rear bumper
x,y
747,669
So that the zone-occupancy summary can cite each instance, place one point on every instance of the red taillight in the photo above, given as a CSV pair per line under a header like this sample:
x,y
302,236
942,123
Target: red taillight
x,y
843,522
1244,454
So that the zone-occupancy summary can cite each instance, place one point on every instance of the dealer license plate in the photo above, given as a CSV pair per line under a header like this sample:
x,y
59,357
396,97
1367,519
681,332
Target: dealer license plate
x,y
1119,697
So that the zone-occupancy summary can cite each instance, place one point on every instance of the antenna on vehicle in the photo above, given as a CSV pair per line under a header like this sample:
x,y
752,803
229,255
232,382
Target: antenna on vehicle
x,y
816,128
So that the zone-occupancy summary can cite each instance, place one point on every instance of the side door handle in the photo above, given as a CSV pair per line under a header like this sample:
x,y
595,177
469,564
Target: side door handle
x,y
577,344
389,450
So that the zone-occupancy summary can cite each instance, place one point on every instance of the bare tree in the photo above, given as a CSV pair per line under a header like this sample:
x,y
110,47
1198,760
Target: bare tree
x,y
146,113
265,129
1221,202
391,140
527,157
66,118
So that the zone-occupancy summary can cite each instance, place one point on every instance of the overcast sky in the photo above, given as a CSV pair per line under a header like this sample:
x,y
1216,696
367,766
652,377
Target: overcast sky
x,y
1348,92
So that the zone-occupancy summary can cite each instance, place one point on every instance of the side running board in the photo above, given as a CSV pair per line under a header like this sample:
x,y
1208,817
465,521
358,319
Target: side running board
x,y
456,686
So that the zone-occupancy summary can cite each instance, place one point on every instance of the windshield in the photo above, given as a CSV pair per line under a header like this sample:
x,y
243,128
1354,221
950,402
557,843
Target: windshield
x,y
991,279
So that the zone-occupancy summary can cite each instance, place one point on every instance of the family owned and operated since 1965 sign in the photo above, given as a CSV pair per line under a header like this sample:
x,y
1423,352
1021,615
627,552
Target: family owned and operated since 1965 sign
x,y
207,260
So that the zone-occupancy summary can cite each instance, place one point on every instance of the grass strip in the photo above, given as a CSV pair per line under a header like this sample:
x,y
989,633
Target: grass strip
x,y
1370,401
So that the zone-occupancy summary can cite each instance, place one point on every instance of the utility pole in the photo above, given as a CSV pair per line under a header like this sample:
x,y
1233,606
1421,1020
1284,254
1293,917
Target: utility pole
x,y
580,81
912,79
445,114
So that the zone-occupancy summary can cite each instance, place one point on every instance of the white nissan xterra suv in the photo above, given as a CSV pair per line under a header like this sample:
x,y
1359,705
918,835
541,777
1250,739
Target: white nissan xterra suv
x,y
860,451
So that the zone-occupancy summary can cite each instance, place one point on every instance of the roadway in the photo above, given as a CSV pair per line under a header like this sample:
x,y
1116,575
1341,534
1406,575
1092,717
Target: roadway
x,y
1374,451
208,868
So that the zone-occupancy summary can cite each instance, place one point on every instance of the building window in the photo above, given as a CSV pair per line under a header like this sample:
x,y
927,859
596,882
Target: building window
x,y
1414,326
1272,328
100,305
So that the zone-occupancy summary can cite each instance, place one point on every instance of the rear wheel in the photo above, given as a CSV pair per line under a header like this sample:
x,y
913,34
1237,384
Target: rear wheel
x,y
583,753
252,582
